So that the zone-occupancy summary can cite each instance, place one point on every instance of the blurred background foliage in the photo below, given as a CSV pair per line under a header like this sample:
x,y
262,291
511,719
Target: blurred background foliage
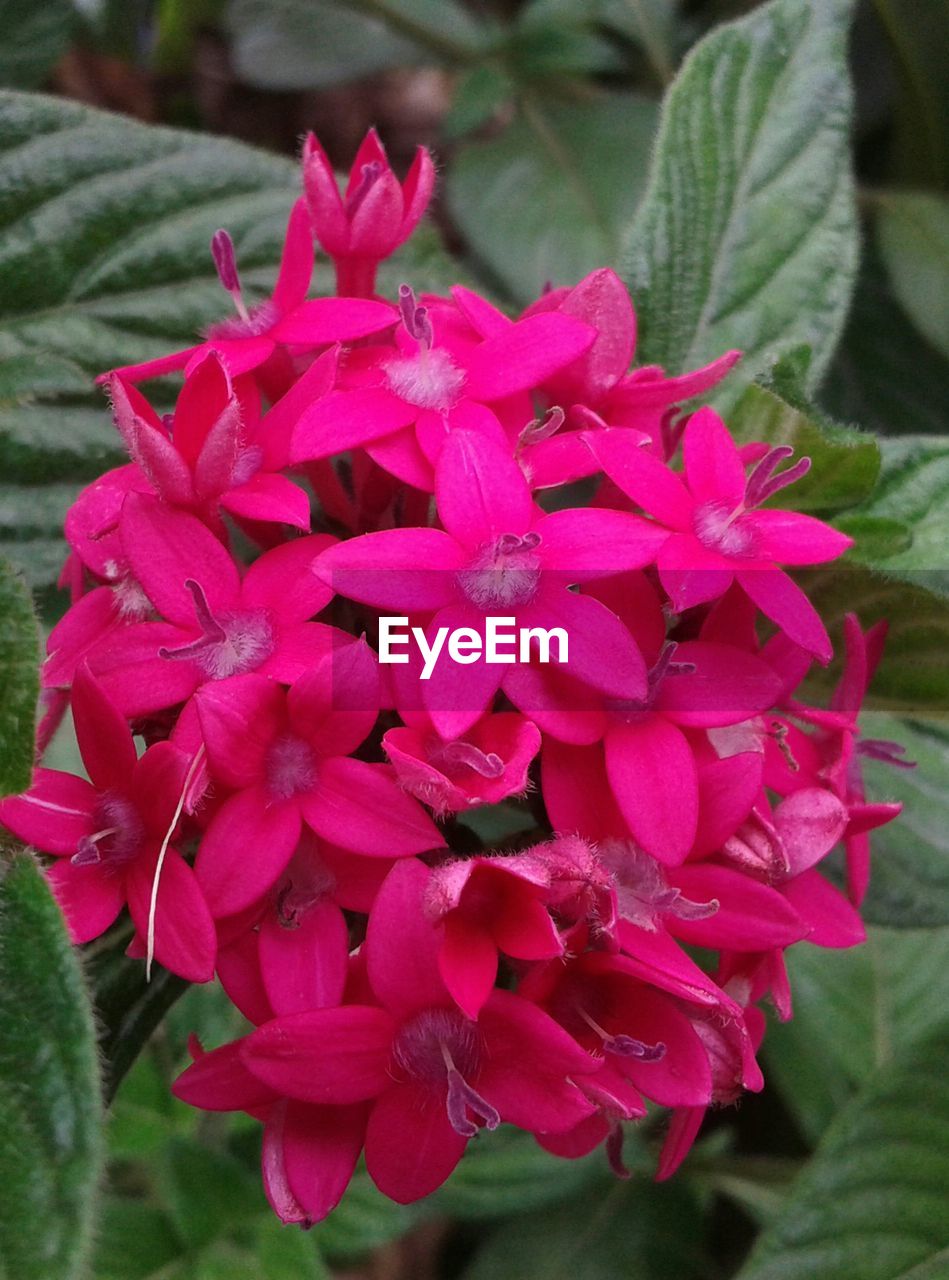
x,y
543,114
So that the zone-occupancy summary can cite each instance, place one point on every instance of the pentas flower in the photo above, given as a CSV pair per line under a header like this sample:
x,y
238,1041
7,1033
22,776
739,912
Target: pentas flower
x,y
598,390
498,554
285,756
107,834
716,533
433,1076
485,906
486,765
401,403
258,339
376,214
648,757
212,624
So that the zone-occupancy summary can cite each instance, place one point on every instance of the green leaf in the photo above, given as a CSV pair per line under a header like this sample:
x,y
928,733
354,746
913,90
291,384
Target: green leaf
x,y
845,462
308,44
548,199
746,236
919,138
636,1230
914,488
913,233
208,1193
50,1109
134,1241
19,682
35,36
287,1253
854,1012
885,375
871,1205
507,1172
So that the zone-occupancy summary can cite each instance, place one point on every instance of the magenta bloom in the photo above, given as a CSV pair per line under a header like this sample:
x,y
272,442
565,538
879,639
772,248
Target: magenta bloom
x,y
214,625
401,403
106,835
485,766
285,756
498,555
376,214
716,535
433,1076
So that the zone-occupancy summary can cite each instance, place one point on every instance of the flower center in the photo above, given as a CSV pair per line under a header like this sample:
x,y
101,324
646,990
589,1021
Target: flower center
x,y
246,324
720,529
306,882
119,835
757,848
623,1046
503,574
230,644
290,767
440,1048
430,379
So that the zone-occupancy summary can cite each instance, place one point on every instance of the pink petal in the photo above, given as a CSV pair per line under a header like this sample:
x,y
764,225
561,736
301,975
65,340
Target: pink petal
x,y
275,431
219,1081
682,1076
136,679
601,652
727,790
157,785
304,965
238,970
54,814
480,490
83,626
713,465
322,321
691,574
90,898
411,1147
576,792
152,368
792,538
245,849
296,261
750,917
683,1130
374,227
344,419
402,947
485,318
642,476
324,1055
320,1148
271,499
653,776
785,604
525,355
398,569
240,718
335,705
457,697
810,822
467,962
280,580
726,687
403,457
360,806
165,548
524,929
590,542
528,1059
831,919
300,646
204,398
185,939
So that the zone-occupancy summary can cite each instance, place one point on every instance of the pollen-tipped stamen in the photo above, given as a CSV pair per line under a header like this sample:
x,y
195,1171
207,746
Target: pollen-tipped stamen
x,y
462,1098
225,262
763,483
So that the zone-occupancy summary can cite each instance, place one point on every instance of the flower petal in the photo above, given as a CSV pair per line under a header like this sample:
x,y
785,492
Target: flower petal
x,y
244,850
185,938
324,1055
653,776
360,806
411,1147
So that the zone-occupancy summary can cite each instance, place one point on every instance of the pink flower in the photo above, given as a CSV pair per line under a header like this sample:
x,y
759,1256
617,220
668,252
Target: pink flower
x,y
485,906
106,835
255,340
716,535
285,756
497,555
484,767
402,403
432,1076
597,389
213,624
374,217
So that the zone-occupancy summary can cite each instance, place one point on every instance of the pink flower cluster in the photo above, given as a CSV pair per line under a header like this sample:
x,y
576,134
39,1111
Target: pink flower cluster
x,y
292,821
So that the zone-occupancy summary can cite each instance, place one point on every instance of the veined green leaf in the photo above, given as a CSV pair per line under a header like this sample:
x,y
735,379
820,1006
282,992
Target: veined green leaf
x,y
746,236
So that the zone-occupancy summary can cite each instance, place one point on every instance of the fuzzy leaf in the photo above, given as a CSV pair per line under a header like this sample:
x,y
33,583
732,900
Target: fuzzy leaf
x,y
746,236
50,1110
35,36
913,233
19,682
